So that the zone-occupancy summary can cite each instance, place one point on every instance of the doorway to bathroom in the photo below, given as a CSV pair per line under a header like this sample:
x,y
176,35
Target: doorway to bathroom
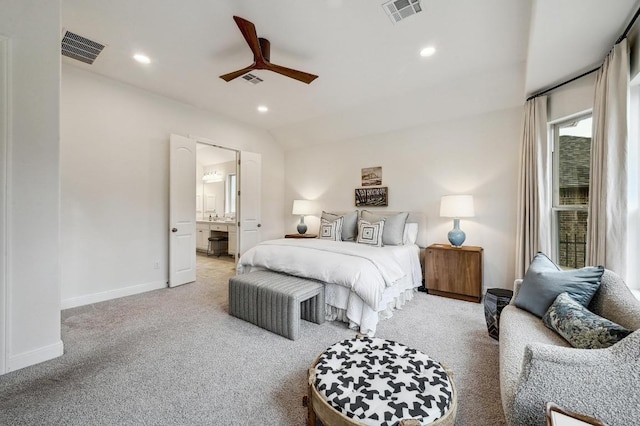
x,y
216,207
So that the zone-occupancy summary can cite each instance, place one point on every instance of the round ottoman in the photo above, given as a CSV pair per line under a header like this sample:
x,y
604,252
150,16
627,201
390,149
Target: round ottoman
x,y
371,381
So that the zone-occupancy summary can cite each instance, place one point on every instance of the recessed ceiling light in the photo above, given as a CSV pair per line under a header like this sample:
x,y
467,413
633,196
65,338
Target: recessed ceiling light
x,y
143,59
427,51
262,109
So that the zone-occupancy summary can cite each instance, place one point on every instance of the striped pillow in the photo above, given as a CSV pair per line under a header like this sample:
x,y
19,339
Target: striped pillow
x,y
370,233
331,229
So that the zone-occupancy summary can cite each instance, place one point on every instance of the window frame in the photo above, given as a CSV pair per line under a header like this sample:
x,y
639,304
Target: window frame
x,y
556,207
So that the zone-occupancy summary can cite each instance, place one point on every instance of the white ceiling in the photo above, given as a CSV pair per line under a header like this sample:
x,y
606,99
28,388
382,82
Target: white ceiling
x,y
490,55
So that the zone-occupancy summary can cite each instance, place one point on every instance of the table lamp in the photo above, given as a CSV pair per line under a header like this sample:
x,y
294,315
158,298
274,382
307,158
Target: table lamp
x,y
456,206
302,207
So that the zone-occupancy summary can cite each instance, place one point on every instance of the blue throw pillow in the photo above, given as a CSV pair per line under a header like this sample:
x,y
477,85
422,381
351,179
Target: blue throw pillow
x,y
581,327
544,281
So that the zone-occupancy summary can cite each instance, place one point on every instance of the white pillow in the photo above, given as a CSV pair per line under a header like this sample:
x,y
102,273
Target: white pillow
x,y
370,233
331,229
410,233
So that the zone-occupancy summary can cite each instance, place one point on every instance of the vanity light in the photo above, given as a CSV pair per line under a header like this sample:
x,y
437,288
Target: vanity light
x,y
262,109
212,177
427,51
143,59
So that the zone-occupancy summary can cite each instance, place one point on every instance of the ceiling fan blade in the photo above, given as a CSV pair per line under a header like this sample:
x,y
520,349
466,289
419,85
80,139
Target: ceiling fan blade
x,y
298,75
236,74
249,33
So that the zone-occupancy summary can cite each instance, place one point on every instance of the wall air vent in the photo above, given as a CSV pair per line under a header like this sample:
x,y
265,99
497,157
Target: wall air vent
x,y
250,78
401,9
80,48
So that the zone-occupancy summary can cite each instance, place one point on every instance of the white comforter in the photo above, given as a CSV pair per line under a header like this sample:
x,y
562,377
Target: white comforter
x,y
365,270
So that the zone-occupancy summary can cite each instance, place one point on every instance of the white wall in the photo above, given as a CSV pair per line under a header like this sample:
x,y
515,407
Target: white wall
x,y
114,161
477,155
32,275
571,99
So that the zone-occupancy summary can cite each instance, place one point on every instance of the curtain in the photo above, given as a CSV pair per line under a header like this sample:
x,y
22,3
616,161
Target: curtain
x,y
606,229
533,231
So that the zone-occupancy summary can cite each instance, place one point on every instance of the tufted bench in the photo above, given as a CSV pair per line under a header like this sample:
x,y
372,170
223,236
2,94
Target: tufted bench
x,y
276,302
379,382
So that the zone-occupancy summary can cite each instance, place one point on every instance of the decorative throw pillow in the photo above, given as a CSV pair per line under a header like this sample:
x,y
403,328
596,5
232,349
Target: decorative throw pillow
x,y
370,233
349,224
330,229
393,226
410,233
581,327
544,281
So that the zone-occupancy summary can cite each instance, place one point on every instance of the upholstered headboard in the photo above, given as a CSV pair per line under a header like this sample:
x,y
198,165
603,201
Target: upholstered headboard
x,y
414,217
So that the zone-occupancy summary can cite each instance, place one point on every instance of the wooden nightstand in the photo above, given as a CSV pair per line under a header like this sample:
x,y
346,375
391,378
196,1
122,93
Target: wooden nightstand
x,y
301,236
454,271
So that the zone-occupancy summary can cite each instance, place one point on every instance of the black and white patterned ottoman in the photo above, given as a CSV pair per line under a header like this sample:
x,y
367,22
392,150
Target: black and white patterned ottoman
x,y
371,381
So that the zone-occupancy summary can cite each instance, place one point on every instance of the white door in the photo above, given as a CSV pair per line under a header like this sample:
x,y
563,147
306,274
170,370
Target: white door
x,y
182,216
249,200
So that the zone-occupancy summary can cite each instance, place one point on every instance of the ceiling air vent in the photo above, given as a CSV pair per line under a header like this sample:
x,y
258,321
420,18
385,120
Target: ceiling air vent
x,y
401,9
80,48
250,78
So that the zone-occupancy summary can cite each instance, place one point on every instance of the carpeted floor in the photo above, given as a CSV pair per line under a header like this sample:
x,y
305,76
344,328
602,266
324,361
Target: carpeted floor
x,y
176,357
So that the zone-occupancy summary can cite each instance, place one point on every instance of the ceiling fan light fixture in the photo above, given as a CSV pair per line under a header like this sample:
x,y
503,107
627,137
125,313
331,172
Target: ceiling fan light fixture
x,y
261,49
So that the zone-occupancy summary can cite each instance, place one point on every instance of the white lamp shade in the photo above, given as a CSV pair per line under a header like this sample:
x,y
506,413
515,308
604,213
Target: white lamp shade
x,y
456,206
303,207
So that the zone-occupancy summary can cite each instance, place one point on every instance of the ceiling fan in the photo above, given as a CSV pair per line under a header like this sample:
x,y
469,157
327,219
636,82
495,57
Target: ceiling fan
x,y
261,48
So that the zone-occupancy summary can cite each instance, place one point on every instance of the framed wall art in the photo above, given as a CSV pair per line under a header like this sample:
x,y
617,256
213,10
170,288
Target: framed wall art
x,y
372,197
371,176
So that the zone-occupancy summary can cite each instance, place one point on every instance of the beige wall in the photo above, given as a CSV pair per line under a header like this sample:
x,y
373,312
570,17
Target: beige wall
x,y
30,285
477,155
115,176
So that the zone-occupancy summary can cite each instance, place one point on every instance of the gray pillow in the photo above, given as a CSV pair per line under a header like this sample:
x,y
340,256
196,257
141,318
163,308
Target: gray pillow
x,y
544,281
393,233
349,223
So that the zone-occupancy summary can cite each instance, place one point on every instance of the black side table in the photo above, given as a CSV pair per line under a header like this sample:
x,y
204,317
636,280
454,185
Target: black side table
x,y
494,301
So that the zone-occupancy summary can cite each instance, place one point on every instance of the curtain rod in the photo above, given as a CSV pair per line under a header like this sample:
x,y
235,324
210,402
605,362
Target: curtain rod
x,y
622,36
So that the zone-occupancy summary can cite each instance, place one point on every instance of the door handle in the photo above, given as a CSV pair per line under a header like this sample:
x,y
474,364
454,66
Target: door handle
x,y
174,229
259,225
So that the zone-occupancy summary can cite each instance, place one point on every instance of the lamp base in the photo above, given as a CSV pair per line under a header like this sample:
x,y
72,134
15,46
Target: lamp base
x,y
302,227
456,235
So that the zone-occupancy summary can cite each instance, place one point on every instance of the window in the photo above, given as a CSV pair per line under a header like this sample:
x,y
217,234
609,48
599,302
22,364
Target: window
x,y
232,192
571,166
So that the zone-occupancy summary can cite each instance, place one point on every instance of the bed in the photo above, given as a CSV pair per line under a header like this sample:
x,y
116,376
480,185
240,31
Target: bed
x,y
364,281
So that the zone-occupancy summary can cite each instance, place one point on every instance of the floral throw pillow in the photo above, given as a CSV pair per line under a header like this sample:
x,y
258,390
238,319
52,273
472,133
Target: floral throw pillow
x,y
581,327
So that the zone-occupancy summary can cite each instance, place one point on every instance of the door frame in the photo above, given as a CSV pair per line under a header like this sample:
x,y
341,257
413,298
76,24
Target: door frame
x,y
214,144
5,197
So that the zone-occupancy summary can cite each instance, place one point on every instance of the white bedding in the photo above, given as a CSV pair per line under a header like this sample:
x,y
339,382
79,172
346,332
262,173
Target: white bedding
x,y
362,281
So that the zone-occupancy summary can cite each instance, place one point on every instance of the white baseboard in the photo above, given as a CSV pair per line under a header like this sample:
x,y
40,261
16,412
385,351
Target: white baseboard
x,y
74,302
36,356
